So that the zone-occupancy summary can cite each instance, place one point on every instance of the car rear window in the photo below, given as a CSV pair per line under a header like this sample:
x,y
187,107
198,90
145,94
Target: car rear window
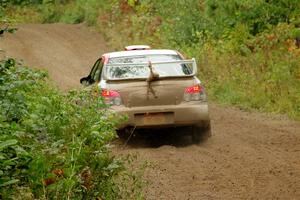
x,y
138,68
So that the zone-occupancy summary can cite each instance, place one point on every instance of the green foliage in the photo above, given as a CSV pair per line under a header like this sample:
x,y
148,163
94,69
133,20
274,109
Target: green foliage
x,y
76,12
54,145
248,50
82,11
258,14
265,76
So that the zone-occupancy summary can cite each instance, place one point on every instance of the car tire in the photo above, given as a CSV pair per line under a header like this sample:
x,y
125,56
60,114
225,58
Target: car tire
x,y
123,133
201,133
126,133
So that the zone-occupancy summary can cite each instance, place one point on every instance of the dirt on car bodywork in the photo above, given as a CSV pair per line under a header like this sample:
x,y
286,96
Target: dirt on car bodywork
x,y
166,91
163,107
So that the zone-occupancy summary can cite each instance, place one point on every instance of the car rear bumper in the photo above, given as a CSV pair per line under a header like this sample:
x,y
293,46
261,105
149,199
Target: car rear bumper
x,y
184,114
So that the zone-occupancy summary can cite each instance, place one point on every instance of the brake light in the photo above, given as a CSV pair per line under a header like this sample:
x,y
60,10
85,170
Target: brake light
x,y
111,97
109,93
194,93
193,89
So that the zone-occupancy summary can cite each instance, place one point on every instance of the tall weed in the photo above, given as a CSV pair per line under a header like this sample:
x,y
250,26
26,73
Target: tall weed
x,y
54,145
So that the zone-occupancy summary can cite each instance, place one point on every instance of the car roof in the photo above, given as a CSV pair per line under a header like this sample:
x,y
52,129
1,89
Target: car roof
x,y
140,53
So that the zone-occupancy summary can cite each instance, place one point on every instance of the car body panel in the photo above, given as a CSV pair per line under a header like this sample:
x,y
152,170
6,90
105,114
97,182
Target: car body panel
x,y
184,114
166,92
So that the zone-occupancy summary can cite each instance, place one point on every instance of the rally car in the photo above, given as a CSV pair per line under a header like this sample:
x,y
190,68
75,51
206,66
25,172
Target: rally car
x,y
153,88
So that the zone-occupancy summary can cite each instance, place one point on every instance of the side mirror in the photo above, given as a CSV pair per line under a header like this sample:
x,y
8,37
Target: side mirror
x,y
85,81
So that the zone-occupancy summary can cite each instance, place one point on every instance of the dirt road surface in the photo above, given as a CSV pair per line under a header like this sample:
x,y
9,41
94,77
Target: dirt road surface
x,y
67,52
250,156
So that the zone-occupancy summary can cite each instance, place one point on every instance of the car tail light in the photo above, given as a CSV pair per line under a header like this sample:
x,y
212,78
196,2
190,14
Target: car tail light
x,y
111,97
194,93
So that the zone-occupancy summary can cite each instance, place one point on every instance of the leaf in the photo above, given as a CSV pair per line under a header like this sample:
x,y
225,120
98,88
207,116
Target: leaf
x,y
2,157
9,182
12,30
8,143
131,2
49,181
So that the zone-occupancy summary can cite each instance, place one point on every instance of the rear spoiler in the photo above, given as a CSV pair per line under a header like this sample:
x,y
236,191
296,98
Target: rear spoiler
x,y
191,61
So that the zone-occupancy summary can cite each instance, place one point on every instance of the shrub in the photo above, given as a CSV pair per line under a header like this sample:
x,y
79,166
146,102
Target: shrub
x,y
55,145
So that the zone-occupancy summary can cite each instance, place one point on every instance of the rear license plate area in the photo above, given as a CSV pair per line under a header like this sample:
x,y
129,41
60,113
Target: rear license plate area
x,y
161,118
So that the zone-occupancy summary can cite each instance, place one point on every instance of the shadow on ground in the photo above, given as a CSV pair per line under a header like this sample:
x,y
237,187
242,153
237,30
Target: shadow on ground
x,y
154,138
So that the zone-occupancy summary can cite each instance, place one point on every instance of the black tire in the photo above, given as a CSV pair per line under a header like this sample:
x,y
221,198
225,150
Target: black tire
x,y
201,133
126,133
123,133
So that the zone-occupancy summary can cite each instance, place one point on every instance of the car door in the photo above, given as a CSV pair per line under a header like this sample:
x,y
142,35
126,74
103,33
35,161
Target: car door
x,y
95,74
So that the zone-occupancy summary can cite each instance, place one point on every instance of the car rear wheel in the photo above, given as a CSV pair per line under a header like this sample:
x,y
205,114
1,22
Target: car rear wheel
x,y
123,133
126,133
201,133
